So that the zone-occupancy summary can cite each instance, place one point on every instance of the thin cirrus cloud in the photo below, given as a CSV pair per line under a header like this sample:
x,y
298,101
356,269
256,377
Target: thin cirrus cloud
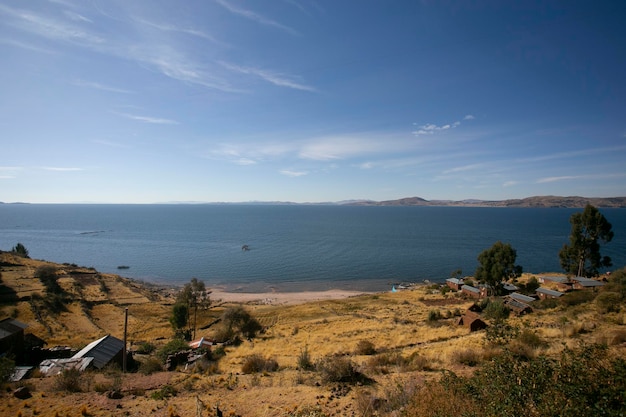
x,y
61,169
278,79
148,119
102,87
77,17
248,14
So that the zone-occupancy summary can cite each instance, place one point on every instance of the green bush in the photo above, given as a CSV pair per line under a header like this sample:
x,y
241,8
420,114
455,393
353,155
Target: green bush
x,y
174,346
467,357
7,366
434,315
575,298
165,392
608,302
145,348
496,310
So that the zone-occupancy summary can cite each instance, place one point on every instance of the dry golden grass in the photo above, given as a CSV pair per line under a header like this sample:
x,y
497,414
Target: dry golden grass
x,y
408,349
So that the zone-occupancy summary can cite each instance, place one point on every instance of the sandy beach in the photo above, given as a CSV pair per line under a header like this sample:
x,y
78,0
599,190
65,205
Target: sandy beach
x,y
282,298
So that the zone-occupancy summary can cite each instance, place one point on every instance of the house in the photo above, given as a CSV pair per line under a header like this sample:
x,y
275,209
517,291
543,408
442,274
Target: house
x,y
201,343
544,293
454,283
561,283
103,351
472,321
521,297
509,288
12,338
518,307
582,283
470,291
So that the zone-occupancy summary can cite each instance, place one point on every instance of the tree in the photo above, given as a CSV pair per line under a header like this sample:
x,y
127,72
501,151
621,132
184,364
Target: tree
x,y
582,256
497,264
20,250
238,320
194,295
179,317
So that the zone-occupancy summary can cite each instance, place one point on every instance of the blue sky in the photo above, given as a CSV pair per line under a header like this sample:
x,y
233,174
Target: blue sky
x,y
310,101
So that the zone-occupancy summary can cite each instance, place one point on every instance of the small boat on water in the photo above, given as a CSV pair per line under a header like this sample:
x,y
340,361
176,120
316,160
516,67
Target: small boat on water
x,y
123,267
245,248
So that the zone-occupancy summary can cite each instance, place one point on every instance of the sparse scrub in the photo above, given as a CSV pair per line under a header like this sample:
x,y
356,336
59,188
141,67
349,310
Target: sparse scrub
x,y
69,380
608,302
165,392
496,310
434,316
338,369
150,366
364,347
575,298
531,339
145,348
257,363
7,366
304,360
467,357
174,346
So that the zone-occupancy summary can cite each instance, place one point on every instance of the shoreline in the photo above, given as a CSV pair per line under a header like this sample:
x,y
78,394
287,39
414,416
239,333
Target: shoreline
x,y
282,298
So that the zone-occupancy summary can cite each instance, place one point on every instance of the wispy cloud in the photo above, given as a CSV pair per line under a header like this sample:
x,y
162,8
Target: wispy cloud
x,y
248,14
50,28
98,86
573,154
580,177
27,46
431,128
463,168
510,183
76,17
110,143
290,173
61,169
281,80
171,28
148,119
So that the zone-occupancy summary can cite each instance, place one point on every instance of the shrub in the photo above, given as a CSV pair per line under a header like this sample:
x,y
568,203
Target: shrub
x,y
608,302
365,347
150,366
496,310
468,357
575,298
434,315
68,380
500,332
304,360
7,366
20,250
145,348
47,274
337,369
529,338
174,346
165,392
257,363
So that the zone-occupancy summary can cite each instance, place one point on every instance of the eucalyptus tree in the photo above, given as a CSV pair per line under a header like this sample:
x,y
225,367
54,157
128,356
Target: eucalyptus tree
x,y
581,257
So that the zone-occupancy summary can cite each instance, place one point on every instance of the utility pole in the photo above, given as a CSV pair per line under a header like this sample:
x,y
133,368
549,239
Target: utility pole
x,y
125,333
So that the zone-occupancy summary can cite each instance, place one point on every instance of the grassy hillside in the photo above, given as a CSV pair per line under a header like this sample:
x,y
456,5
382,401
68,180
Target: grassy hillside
x,y
368,355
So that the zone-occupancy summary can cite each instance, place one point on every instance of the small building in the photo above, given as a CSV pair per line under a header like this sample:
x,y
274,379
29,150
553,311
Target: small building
x,y
52,367
582,283
103,351
454,283
544,293
472,321
521,297
201,343
12,338
470,291
518,307
509,288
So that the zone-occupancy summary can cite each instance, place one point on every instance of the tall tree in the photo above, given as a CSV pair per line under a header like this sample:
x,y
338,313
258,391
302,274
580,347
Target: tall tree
x,y
497,264
194,295
582,256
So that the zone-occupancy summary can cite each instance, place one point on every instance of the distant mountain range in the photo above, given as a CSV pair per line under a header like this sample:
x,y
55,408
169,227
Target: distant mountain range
x,y
549,201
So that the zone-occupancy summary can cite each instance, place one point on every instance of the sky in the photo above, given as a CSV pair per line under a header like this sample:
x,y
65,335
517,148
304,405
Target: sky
x,y
153,101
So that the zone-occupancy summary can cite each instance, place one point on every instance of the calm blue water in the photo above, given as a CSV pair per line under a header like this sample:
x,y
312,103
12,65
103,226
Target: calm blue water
x,y
291,247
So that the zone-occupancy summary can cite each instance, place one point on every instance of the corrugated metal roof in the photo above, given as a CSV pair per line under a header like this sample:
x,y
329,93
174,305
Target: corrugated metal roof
x,y
549,292
470,288
10,326
521,297
51,367
102,350
588,282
